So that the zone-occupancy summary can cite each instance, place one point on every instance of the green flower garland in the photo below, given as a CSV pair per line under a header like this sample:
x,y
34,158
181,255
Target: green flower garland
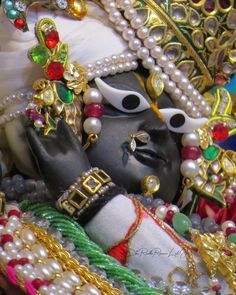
x,y
72,231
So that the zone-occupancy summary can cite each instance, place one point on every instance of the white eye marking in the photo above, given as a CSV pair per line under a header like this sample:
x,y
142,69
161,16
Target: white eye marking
x,y
178,121
123,100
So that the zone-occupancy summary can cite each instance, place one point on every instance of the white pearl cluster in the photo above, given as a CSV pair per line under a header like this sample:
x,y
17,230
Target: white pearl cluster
x,y
12,99
190,168
39,265
153,58
124,62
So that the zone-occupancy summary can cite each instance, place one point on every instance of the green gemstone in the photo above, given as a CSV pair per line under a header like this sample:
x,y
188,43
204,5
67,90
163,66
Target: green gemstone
x,y
64,93
39,54
232,238
211,152
181,223
13,14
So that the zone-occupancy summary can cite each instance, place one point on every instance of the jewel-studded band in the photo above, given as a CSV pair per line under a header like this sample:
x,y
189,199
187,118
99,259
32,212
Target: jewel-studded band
x,y
87,189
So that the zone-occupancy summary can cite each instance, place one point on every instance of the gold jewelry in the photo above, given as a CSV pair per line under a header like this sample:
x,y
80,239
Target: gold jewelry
x,y
87,189
56,251
150,185
218,254
193,37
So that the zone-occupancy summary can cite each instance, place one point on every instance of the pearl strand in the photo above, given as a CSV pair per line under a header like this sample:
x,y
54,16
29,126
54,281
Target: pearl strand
x,y
15,97
186,97
124,62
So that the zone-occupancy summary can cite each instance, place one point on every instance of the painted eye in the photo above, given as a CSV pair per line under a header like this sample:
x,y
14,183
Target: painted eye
x,y
178,121
123,100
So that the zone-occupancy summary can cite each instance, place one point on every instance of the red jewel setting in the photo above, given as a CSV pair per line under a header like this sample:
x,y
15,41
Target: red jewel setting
x,y
52,39
19,23
14,213
230,230
55,70
220,132
190,152
221,80
6,238
3,221
94,110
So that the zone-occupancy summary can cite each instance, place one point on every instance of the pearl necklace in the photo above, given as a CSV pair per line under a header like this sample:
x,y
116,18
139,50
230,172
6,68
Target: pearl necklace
x,y
138,37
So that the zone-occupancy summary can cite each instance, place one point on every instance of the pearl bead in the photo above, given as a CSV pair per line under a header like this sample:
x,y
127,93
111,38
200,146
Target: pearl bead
x,y
169,68
156,52
161,212
183,100
173,208
8,247
189,168
162,60
28,254
124,4
121,25
92,289
54,265
183,83
92,126
207,110
114,16
63,283
43,270
189,89
92,95
44,290
226,224
176,75
203,104
130,13
27,236
110,6
150,42
142,52
136,22
191,139
5,257
143,32
214,281
189,105
148,63
165,78
177,93
134,44
39,251
156,69
128,34
69,275
170,86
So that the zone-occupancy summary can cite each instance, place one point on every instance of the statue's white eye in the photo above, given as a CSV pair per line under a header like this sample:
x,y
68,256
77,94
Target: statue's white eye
x,y
178,121
123,100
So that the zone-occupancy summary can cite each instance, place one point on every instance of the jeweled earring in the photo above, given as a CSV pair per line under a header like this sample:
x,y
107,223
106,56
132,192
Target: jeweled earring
x,y
150,185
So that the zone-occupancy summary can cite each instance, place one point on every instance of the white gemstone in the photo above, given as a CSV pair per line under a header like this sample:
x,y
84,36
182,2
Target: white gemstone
x,y
62,4
20,5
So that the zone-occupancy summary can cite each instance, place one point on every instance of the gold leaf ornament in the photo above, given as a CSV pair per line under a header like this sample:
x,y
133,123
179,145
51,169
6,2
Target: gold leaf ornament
x,y
76,77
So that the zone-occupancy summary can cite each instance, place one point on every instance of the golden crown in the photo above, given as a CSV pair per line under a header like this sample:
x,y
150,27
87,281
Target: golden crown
x,y
199,36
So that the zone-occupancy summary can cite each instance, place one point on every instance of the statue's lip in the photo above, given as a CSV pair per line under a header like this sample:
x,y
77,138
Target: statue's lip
x,y
147,155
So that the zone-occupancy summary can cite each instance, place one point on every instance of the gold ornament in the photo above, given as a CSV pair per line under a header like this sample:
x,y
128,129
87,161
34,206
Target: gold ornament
x,y
150,185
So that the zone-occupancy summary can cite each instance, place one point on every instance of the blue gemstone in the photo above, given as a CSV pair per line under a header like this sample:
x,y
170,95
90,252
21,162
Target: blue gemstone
x,y
7,5
13,14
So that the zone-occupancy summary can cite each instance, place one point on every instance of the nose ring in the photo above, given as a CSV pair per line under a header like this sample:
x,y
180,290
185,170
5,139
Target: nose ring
x,y
139,136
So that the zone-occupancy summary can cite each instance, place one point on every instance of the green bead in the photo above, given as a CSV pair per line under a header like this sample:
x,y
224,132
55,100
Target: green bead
x,y
64,93
39,54
232,238
181,223
7,5
211,152
13,14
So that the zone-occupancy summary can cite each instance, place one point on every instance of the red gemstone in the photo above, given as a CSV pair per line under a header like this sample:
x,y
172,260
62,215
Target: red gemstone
x,y
220,132
216,288
19,23
6,238
55,70
39,117
13,262
46,283
230,230
31,113
227,252
52,39
169,216
94,110
37,283
220,80
225,4
3,221
190,152
14,213
229,200
209,5
153,210
23,261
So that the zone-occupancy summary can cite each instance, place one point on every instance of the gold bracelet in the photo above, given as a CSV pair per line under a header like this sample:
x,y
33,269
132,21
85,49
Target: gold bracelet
x,y
87,189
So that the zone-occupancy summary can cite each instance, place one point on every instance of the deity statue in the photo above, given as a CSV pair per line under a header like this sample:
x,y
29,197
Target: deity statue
x,y
114,132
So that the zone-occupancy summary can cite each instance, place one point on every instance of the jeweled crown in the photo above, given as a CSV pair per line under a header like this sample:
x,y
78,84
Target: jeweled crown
x,y
197,35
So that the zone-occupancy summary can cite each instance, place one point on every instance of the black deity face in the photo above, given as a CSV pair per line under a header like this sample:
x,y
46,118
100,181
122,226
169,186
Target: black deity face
x,y
159,156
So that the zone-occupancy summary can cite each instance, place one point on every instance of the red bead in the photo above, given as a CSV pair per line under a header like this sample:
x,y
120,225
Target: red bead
x,y
169,216
220,132
39,117
46,283
31,113
153,210
23,261
14,213
190,152
52,39
3,221
220,80
94,110
55,70
13,262
216,288
19,23
227,252
37,283
230,230
6,238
